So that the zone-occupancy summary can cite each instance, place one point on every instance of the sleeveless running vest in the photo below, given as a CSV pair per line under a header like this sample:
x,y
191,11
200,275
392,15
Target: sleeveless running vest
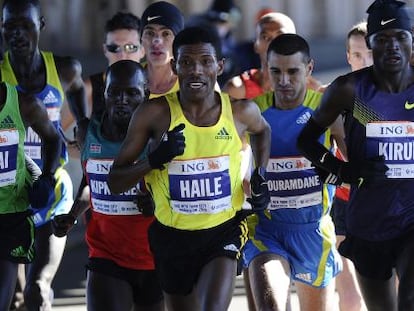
x,y
203,187
297,194
174,89
116,231
52,97
382,124
13,192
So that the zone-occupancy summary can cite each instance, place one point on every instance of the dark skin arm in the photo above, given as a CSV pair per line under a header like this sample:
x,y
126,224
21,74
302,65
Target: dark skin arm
x,y
248,119
34,114
63,223
148,123
70,74
81,203
338,97
337,128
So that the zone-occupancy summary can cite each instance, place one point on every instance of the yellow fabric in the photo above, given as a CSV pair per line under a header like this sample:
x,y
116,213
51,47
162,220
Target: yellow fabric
x,y
211,145
52,77
174,89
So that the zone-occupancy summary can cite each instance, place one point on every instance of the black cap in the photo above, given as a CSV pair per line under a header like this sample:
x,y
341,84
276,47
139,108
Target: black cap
x,y
223,11
163,13
387,14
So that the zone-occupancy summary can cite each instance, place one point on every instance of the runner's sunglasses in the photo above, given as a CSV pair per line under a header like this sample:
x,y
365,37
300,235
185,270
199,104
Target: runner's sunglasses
x,y
128,48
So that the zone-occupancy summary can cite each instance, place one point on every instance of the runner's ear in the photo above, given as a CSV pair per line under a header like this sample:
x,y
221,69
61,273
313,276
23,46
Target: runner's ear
x,y
173,66
42,22
367,42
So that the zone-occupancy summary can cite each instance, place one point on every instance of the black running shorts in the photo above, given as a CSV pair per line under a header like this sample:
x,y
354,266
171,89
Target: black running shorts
x,y
180,255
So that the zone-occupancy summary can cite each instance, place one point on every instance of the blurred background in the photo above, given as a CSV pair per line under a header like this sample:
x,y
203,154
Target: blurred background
x,y
75,27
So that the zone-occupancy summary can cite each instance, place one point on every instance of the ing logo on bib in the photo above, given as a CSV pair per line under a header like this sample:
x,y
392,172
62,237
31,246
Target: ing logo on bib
x,y
213,165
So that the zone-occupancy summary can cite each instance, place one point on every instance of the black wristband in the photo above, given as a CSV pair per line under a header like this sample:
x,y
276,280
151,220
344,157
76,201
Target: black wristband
x,y
261,171
330,163
82,120
48,175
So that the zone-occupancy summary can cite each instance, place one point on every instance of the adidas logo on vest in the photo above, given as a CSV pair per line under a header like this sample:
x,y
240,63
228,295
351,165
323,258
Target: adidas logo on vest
x,y
50,98
223,134
7,123
303,118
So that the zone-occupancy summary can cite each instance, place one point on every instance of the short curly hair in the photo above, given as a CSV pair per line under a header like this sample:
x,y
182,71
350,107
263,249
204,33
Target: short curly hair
x,y
123,20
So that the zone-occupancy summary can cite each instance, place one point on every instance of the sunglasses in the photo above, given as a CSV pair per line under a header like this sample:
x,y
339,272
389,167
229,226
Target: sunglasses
x,y
128,48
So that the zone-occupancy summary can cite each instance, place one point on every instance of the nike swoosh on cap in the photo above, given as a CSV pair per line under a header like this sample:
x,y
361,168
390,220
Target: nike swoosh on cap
x,y
150,18
408,105
387,21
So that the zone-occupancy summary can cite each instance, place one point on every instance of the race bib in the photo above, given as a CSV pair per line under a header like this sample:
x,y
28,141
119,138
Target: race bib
x,y
293,183
200,186
394,141
9,140
102,200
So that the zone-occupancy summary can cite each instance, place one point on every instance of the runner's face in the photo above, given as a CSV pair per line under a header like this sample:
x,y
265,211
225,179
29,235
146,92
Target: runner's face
x,y
21,28
288,75
157,41
391,49
123,93
358,54
265,33
120,38
197,69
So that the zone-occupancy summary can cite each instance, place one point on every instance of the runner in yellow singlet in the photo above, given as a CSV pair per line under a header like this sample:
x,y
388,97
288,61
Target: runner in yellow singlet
x,y
194,174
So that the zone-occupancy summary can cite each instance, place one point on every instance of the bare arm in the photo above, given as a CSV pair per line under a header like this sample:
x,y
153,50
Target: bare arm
x,y
66,114
63,223
235,88
88,92
81,203
248,119
149,121
314,84
34,114
70,74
